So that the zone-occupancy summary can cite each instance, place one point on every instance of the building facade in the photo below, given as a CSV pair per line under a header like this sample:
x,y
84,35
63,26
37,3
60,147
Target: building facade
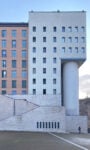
x,y
13,58
41,61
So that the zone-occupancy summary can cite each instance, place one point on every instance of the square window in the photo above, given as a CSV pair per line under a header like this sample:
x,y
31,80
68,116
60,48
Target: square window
x,y
44,49
44,39
34,70
34,81
4,73
24,64
14,53
14,74
24,53
54,60
24,33
13,83
54,91
54,49
4,63
4,92
24,44
44,29
4,33
14,92
54,70
54,39
54,81
34,60
44,91
44,70
24,73
13,63
44,60
34,49
70,29
4,43
34,91
44,81
24,92
14,33
24,83
63,29
13,43
63,39
4,83
34,39
54,29
34,28
4,53
76,29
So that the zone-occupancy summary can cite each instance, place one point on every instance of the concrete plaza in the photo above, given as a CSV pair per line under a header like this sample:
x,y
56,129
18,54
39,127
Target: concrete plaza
x,y
43,141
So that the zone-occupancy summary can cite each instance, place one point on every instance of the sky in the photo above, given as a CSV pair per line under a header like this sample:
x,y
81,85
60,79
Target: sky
x,y
17,11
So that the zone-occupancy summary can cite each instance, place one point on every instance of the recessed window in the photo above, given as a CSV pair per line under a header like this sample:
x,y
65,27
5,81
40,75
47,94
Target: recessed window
x,y
44,60
70,39
14,53
83,29
83,49
24,44
34,60
54,70
4,63
54,29
4,33
76,29
63,49
70,29
54,39
76,39
4,92
14,74
24,33
24,64
13,43
44,29
34,81
63,39
70,49
24,83
54,49
44,91
44,70
4,83
14,84
34,49
4,53
24,53
54,81
83,39
4,43
76,49
14,33
54,91
24,73
13,63
44,39
34,70
34,39
54,60
44,81
44,49
63,29
34,91
34,28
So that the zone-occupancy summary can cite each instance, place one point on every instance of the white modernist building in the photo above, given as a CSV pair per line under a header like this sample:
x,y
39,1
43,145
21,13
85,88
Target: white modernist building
x,y
57,48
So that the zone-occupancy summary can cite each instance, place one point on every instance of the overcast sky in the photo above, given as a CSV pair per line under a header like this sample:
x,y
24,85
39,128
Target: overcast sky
x,y
17,11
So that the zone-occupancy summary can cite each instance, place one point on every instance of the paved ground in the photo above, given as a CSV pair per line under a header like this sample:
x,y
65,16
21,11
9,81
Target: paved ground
x,y
41,141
